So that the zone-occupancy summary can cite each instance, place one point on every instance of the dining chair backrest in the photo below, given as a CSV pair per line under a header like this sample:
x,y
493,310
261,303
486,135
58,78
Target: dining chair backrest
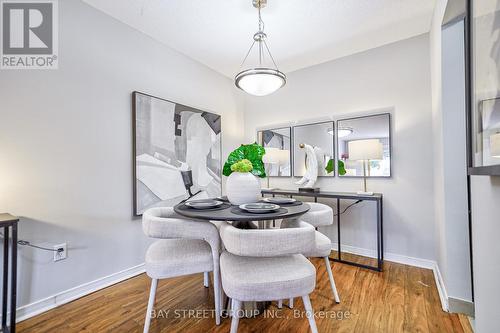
x,y
267,242
163,222
319,215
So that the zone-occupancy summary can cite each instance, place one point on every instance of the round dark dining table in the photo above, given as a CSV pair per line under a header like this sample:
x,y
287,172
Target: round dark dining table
x,y
232,213
241,219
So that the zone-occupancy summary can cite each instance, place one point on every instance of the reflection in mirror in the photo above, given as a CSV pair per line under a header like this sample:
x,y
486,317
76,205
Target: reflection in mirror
x,y
321,137
376,127
486,83
489,115
277,144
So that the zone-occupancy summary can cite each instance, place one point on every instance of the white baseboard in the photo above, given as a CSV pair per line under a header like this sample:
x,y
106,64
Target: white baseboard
x,y
27,311
443,295
405,260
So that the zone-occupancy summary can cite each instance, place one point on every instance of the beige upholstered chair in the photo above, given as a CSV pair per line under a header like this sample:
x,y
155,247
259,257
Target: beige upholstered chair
x,y
319,215
265,265
185,247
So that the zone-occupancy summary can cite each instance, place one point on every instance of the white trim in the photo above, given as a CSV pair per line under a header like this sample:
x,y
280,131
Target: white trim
x,y
405,260
443,295
27,311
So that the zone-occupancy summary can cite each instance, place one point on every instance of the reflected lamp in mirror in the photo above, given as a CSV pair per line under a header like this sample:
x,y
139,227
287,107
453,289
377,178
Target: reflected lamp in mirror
x,y
364,151
270,158
344,131
274,157
284,157
277,142
495,145
376,126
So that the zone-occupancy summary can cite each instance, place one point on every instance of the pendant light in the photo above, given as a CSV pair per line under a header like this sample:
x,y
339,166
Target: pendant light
x,y
260,80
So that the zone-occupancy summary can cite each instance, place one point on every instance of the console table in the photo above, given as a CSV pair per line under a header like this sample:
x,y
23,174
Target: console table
x,y
377,197
8,221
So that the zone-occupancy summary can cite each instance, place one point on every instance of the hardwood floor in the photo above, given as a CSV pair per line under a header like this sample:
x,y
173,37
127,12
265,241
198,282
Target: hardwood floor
x,y
401,299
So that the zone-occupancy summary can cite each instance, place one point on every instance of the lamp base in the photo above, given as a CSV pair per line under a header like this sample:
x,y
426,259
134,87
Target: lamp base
x,y
364,193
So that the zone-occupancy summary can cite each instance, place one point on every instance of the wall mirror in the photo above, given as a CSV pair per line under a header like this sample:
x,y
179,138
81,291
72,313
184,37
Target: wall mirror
x,y
364,146
320,136
277,159
485,106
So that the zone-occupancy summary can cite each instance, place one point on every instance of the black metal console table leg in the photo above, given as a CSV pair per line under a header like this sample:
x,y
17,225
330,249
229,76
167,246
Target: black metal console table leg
x,y
339,250
5,283
13,281
380,242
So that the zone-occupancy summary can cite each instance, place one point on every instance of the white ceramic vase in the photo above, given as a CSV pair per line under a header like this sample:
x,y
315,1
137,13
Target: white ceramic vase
x,y
242,187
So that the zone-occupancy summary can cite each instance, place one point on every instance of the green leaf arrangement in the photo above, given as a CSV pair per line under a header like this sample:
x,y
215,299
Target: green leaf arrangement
x,y
329,167
251,152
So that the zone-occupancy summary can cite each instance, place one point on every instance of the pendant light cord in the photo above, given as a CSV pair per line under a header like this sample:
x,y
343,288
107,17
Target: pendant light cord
x,y
261,22
261,29
261,41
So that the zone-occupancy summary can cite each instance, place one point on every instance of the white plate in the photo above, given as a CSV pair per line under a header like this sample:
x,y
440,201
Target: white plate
x,y
204,204
259,207
280,200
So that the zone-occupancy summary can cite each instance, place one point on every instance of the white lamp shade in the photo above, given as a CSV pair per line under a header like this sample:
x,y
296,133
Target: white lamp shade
x,y
495,145
272,156
344,131
260,81
284,156
370,149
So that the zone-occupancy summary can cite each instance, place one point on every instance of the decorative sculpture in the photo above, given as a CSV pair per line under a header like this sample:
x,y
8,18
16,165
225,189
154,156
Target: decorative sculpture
x,y
312,162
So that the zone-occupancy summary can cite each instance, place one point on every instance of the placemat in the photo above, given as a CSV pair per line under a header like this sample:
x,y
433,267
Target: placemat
x,y
271,215
225,205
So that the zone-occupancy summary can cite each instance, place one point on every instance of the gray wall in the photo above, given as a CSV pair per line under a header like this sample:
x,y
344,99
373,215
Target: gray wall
x,y
395,76
66,145
449,160
456,268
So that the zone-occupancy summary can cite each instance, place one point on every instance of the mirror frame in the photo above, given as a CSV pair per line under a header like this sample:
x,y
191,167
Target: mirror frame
x,y
390,143
333,146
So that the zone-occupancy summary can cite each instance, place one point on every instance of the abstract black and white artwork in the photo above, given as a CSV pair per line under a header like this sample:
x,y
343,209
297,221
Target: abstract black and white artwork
x,y
177,153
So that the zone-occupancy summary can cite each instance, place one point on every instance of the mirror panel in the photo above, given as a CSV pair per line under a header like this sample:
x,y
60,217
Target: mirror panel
x,y
321,137
369,128
279,139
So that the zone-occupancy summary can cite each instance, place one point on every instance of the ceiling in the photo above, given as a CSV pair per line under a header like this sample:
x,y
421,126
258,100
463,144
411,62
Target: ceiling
x,y
300,33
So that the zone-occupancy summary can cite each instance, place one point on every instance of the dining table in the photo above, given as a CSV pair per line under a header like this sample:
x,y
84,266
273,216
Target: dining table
x,y
233,213
243,219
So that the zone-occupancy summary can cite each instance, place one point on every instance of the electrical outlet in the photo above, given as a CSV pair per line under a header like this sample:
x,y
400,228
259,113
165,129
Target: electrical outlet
x,y
60,255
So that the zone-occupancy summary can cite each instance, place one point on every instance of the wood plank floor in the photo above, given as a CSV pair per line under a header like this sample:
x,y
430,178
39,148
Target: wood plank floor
x,y
401,299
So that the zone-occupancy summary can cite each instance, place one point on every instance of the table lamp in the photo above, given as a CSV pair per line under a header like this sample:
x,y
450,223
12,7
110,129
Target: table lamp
x,y
365,150
284,157
495,145
272,156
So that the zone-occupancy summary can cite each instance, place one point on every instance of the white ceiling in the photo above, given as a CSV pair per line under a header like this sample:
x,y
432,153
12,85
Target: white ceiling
x,y
300,33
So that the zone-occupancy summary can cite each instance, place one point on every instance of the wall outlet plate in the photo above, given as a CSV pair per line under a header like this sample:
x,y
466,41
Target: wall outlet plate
x,y
60,255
